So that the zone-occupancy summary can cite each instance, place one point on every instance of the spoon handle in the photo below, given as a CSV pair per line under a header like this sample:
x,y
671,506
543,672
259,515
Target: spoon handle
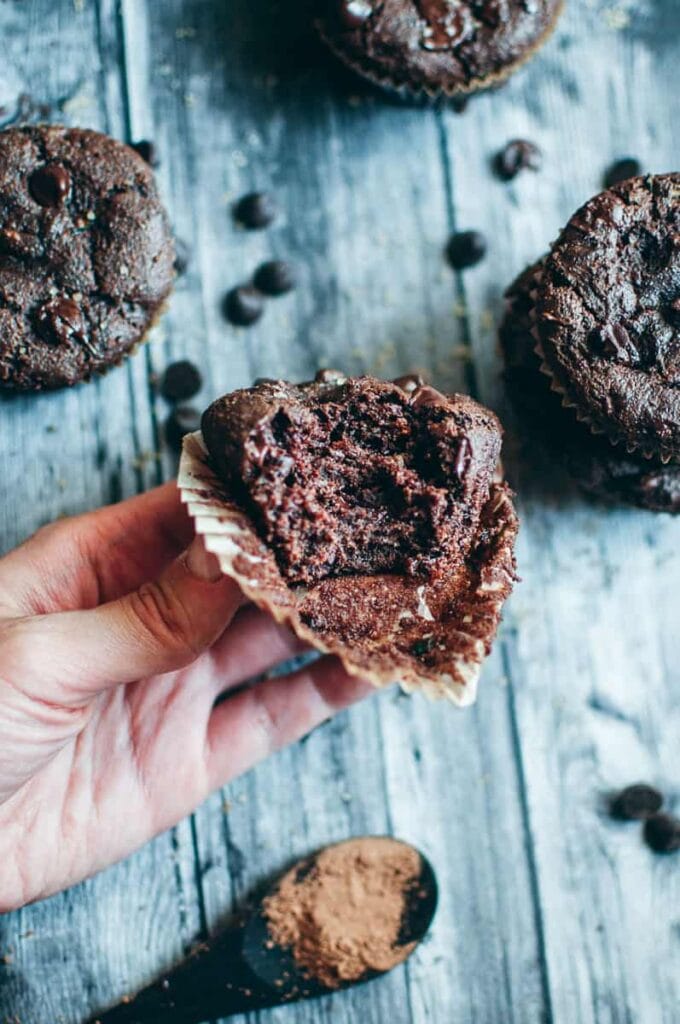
x,y
214,981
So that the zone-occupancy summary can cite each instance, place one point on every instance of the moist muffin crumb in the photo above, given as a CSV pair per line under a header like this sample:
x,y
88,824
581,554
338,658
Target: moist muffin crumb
x,y
86,255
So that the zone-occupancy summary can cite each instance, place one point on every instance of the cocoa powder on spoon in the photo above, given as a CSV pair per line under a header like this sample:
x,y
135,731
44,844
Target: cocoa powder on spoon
x,y
341,915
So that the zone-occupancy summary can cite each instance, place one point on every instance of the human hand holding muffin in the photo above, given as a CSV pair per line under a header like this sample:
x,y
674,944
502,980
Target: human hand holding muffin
x,y
116,640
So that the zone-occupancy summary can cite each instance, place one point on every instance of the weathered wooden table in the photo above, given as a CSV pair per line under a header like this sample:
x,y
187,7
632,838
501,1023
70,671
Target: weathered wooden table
x,y
549,911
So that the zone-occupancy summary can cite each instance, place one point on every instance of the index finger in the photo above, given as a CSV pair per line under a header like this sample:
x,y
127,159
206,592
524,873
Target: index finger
x,y
85,560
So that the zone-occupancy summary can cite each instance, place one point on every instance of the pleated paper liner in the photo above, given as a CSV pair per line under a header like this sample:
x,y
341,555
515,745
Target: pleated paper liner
x,y
427,636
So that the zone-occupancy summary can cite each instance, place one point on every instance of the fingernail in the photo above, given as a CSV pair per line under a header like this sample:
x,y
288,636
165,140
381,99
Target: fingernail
x,y
201,563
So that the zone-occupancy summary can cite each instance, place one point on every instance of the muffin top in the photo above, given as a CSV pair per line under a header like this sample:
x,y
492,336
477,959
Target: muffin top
x,y
608,314
86,254
454,46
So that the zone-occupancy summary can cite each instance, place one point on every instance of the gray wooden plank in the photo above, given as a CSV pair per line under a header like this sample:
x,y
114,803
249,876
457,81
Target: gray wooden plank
x,y
592,645
60,454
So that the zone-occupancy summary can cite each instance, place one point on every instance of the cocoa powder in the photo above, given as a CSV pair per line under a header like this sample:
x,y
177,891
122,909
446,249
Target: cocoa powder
x,y
342,915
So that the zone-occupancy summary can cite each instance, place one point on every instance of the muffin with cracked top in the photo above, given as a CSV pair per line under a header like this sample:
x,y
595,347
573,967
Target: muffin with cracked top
x,y
86,255
591,340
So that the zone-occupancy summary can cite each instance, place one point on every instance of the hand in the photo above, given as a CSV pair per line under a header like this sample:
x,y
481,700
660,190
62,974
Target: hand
x,y
114,646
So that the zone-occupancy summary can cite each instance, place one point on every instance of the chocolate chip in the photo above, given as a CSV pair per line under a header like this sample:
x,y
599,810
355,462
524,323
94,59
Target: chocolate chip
x,y
147,150
50,185
59,320
517,155
328,376
424,396
636,802
615,341
180,381
182,420
256,210
423,646
276,277
662,833
462,458
621,170
409,382
182,257
465,249
243,306
354,13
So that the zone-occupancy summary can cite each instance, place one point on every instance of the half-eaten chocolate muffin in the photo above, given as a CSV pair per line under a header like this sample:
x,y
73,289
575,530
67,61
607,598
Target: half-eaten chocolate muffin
x,y
367,515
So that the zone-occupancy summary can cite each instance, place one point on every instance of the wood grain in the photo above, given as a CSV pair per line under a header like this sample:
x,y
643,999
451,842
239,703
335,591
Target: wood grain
x,y
549,912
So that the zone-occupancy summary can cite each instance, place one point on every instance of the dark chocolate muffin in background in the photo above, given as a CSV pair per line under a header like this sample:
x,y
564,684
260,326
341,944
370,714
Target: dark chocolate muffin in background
x,y
604,470
440,47
607,315
86,255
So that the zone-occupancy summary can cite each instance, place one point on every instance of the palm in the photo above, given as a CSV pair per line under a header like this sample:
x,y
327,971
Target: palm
x,y
88,773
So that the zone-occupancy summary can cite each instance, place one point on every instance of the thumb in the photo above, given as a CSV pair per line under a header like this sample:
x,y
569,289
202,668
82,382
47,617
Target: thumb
x,y
161,627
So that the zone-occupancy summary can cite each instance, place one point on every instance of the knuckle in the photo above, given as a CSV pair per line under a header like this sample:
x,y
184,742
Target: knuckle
x,y
163,618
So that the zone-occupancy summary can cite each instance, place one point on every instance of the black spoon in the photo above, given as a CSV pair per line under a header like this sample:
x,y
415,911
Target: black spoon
x,y
242,969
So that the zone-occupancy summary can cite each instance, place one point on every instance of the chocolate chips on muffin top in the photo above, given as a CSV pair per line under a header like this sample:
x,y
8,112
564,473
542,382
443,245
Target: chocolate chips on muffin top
x,y
605,471
86,255
437,45
607,314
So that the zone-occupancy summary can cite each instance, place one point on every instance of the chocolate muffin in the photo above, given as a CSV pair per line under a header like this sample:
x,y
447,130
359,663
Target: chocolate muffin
x,y
451,47
607,315
605,471
86,255
367,515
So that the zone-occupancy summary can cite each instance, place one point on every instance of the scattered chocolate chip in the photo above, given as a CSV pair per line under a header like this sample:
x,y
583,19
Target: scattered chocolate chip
x,y
409,382
50,185
256,210
636,802
662,833
243,306
276,277
621,170
465,249
460,104
182,257
59,320
180,381
328,376
353,13
182,420
517,155
147,150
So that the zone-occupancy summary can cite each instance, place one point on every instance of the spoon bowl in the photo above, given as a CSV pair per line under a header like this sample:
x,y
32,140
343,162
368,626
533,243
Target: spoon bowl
x,y
243,969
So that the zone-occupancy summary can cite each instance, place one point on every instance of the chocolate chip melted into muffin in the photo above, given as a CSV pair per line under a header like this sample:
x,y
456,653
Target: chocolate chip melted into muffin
x,y
608,313
437,44
86,255
347,477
